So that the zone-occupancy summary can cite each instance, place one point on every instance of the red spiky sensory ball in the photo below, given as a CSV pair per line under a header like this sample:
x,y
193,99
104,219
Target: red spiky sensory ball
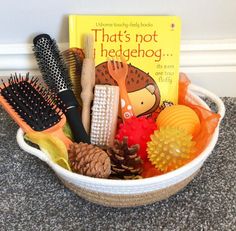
x,y
138,130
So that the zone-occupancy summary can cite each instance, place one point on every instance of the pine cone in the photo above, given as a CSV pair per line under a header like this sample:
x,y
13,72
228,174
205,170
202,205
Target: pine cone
x,y
89,160
125,162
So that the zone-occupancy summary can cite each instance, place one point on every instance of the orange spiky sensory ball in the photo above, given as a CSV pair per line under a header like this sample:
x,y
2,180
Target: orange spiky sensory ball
x,y
179,116
170,148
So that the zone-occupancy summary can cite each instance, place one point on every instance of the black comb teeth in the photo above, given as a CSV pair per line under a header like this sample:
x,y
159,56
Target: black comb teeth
x,y
51,64
31,101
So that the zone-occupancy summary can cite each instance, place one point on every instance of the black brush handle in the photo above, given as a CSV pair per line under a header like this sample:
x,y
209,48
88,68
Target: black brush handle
x,y
73,116
77,128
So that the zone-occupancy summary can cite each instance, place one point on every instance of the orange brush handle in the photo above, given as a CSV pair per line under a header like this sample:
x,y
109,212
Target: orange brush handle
x,y
58,132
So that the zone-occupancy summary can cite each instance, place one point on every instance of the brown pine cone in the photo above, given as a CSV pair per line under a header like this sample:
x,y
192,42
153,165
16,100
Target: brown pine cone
x,y
89,160
125,162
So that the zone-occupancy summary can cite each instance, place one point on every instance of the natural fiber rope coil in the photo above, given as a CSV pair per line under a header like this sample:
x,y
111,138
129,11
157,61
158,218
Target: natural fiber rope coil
x,y
126,200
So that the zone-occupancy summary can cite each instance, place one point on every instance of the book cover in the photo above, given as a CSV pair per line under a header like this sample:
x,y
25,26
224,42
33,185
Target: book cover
x,y
151,47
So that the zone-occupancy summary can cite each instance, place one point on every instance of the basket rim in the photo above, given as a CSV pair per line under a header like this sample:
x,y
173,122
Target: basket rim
x,y
113,182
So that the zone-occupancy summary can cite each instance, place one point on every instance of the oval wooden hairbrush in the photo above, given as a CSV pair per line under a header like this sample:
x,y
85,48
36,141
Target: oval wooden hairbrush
x,y
32,106
56,76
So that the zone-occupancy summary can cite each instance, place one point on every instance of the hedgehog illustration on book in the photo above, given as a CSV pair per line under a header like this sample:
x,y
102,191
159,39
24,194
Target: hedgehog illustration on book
x,y
143,91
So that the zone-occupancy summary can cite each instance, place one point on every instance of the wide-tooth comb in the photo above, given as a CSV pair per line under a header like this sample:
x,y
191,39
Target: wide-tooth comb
x,y
56,75
32,106
104,115
73,58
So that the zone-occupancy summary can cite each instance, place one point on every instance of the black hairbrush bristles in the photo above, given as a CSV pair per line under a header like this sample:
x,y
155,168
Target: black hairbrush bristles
x,y
51,63
32,102
56,75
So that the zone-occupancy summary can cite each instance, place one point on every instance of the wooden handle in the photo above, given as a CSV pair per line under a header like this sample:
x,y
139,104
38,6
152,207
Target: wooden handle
x,y
87,80
86,117
87,83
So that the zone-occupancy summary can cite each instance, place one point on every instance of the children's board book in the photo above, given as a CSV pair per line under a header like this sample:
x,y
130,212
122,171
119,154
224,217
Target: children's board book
x,y
151,47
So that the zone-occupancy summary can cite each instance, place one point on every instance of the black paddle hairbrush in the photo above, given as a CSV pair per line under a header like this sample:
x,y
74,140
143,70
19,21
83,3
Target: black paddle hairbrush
x,y
56,76
32,106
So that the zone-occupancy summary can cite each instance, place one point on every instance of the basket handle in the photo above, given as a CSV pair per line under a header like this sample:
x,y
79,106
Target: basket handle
x,y
33,151
203,92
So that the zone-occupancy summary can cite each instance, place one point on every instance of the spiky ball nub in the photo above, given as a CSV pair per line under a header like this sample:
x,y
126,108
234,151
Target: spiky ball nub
x,y
138,130
170,148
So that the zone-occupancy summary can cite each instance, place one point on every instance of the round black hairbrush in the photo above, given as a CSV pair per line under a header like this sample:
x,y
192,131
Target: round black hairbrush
x,y
56,76
51,63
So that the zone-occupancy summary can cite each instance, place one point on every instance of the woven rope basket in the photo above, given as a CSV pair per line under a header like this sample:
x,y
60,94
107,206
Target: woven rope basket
x,y
124,200
130,193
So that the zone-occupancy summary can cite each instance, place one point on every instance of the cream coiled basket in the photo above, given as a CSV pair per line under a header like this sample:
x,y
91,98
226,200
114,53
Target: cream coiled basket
x,y
129,193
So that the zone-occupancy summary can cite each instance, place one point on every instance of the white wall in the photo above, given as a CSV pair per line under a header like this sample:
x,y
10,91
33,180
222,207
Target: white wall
x,y
202,19
208,49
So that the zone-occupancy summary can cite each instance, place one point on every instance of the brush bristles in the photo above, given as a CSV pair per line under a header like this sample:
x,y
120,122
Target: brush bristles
x,y
73,59
104,115
51,63
34,104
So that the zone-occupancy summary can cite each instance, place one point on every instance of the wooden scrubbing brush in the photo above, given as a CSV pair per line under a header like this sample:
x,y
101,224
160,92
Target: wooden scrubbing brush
x,y
104,115
74,60
87,80
32,106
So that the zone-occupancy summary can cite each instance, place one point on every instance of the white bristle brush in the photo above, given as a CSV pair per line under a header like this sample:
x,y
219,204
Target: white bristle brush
x,y
104,115
87,80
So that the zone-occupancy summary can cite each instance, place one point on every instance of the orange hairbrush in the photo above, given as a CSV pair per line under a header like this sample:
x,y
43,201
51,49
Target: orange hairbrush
x,y
32,106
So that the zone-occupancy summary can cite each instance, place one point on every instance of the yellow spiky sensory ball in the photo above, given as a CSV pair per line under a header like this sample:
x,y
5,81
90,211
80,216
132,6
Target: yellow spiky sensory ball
x,y
179,116
170,148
